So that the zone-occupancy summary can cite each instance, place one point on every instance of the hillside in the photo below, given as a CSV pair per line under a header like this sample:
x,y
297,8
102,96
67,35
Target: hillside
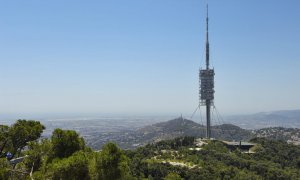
x,y
171,129
290,135
65,156
184,127
168,130
212,160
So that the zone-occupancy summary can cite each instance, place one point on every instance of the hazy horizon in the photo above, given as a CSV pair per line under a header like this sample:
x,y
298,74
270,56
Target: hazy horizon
x,y
95,116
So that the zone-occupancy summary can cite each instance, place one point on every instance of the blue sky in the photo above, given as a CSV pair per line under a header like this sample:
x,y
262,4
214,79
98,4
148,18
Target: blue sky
x,y
143,56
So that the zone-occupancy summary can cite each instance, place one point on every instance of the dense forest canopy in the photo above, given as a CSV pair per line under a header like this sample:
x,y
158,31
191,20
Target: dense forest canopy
x,y
65,156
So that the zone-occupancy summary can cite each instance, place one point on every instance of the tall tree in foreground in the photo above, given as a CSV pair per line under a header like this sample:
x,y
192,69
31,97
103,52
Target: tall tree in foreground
x,y
73,167
111,163
22,132
65,143
4,166
4,139
38,153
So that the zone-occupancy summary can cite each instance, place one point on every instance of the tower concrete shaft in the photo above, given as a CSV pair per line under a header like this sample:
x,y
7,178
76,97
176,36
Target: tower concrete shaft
x,y
208,104
208,130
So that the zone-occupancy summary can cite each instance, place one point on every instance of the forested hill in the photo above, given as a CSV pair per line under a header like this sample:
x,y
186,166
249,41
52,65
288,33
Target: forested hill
x,y
65,156
180,158
184,127
290,135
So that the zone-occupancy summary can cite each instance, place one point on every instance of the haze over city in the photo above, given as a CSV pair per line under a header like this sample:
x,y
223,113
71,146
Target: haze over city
x,y
143,57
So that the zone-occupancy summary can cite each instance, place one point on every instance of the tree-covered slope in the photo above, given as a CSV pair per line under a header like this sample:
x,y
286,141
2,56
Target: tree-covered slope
x,y
271,160
184,127
65,156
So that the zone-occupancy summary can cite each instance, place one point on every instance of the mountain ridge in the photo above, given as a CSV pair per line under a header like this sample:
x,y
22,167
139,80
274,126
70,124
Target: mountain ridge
x,y
282,118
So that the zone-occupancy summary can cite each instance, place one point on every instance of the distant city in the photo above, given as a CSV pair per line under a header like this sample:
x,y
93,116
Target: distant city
x,y
126,130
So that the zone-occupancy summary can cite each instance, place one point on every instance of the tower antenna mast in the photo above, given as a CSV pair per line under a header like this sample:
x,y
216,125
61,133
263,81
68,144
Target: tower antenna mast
x,y
207,42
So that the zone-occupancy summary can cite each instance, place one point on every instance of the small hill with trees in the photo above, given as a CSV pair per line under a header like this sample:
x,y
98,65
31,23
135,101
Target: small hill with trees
x,y
174,128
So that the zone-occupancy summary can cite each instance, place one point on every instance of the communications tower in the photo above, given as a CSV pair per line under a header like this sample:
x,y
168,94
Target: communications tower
x,y
206,78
